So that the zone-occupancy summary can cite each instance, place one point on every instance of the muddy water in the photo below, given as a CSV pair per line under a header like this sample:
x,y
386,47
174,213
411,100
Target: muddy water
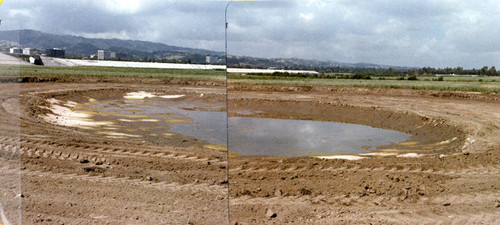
x,y
158,120
287,137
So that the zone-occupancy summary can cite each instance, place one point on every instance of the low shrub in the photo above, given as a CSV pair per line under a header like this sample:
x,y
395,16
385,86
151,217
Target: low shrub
x,y
413,77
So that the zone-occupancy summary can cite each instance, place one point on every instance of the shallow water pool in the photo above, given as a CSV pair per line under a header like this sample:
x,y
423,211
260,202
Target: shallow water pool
x,y
160,119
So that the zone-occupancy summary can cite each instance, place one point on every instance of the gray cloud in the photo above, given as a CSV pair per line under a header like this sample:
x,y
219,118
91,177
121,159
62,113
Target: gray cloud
x,y
412,33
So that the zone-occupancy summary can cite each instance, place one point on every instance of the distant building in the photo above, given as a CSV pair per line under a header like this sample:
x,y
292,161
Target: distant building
x,y
103,55
30,51
27,51
56,52
16,50
211,59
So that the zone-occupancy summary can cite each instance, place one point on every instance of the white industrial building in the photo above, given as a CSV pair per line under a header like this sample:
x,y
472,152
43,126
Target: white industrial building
x,y
16,50
103,55
27,51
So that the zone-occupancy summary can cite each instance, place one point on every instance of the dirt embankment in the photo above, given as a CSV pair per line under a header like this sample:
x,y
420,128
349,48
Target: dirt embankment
x,y
72,176
370,91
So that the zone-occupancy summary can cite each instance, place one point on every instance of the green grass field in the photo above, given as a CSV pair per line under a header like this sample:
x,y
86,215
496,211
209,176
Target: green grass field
x,y
111,72
466,84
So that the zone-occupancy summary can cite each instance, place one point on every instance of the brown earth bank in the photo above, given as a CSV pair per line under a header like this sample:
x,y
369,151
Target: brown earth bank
x,y
71,176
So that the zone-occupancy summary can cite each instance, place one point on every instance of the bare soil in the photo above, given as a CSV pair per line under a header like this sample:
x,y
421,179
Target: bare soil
x,y
71,176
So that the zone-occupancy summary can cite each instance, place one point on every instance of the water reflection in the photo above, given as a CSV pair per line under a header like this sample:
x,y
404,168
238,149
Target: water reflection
x,y
285,137
157,120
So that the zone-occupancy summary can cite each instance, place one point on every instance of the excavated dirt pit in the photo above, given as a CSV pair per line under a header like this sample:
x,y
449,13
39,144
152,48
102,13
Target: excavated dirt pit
x,y
86,168
159,118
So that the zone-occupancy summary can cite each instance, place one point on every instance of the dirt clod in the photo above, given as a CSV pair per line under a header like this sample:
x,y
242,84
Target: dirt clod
x,y
271,214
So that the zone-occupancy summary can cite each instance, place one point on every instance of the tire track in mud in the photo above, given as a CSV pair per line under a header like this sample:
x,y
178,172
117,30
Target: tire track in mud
x,y
340,199
54,154
478,170
45,148
290,200
173,186
49,152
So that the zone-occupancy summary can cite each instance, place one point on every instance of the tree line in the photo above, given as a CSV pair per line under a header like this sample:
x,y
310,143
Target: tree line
x,y
484,71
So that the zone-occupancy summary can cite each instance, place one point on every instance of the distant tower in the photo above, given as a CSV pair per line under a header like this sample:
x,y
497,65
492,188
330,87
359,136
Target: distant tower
x,y
211,59
100,54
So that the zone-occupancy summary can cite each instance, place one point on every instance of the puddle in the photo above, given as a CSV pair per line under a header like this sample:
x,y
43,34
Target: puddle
x,y
287,137
160,118
154,118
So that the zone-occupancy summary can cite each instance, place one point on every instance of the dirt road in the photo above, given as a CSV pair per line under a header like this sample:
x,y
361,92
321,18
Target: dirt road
x,y
71,176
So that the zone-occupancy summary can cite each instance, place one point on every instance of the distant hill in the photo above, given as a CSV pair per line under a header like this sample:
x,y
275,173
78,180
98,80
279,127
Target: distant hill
x,y
79,47
307,64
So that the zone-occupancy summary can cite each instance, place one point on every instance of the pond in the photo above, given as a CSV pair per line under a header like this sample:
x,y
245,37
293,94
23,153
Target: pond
x,y
160,118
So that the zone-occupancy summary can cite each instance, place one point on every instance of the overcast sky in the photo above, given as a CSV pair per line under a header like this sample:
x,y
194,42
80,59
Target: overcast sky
x,y
419,33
